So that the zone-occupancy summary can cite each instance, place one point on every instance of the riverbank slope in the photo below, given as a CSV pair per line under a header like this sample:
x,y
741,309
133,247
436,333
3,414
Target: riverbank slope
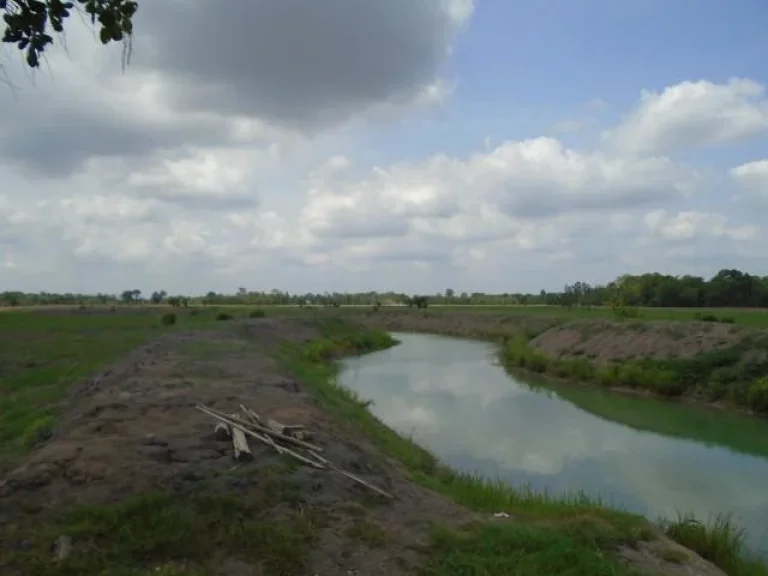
x,y
719,364
127,470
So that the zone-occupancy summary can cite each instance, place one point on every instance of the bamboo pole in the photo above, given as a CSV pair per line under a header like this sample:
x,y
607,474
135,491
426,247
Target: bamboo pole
x,y
260,428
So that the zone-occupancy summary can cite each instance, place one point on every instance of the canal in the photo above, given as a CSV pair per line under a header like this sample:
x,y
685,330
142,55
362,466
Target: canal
x,y
652,457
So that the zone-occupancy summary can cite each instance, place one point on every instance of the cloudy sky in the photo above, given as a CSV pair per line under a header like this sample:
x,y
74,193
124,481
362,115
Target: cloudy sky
x,y
389,144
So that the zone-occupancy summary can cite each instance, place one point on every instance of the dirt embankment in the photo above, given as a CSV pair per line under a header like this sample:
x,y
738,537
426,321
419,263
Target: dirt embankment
x,y
605,341
464,324
599,340
133,429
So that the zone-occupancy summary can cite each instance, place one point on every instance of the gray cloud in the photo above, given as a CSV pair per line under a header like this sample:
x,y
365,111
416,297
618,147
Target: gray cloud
x,y
294,64
54,141
301,63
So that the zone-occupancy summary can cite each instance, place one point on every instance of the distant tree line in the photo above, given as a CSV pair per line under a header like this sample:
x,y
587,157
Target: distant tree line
x,y
728,288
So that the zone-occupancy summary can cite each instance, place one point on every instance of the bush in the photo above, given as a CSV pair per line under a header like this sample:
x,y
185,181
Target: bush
x,y
707,317
757,395
622,312
257,314
168,319
221,316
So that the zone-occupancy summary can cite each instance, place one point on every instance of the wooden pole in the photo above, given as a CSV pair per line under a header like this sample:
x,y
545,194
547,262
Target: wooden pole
x,y
240,443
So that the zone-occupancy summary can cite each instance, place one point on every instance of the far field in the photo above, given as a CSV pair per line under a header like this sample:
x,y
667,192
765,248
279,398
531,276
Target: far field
x,y
756,317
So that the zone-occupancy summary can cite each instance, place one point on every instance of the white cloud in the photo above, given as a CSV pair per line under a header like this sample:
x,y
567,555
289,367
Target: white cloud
x,y
187,173
753,178
689,225
692,114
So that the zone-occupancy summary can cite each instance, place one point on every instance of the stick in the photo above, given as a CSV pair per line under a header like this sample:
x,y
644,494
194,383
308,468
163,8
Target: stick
x,y
251,414
251,433
260,428
240,443
281,428
351,476
256,420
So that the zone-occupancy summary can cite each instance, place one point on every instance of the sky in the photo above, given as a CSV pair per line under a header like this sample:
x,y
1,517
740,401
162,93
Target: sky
x,y
355,145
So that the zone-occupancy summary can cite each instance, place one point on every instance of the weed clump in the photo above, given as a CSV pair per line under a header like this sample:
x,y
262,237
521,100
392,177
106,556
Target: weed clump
x,y
223,316
718,541
168,319
258,313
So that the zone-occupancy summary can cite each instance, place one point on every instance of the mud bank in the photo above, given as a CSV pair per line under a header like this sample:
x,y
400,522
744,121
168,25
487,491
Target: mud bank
x,y
135,478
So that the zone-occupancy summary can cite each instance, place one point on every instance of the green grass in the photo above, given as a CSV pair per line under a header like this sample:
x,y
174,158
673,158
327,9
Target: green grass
x,y
523,550
171,534
721,375
42,356
718,541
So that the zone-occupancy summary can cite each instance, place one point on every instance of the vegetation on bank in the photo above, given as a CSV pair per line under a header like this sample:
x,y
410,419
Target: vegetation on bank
x,y
651,414
731,375
568,534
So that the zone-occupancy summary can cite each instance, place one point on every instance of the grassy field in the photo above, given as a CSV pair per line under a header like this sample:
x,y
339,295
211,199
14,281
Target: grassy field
x,y
755,317
42,356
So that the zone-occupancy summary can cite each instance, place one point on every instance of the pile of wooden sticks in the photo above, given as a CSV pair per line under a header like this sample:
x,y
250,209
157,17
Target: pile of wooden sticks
x,y
288,440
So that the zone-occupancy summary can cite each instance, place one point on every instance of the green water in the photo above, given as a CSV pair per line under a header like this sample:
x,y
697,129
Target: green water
x,y
648,456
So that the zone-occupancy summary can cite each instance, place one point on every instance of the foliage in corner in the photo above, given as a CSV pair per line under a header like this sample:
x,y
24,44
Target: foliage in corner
x,y
28,23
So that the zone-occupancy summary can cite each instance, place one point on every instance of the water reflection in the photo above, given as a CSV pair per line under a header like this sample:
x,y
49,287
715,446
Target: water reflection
x,y
453,399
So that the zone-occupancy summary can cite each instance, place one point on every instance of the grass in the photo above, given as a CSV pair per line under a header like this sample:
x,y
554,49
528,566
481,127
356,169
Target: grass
x,y
174,534
163,533
721,375
718,541
522,550
44,355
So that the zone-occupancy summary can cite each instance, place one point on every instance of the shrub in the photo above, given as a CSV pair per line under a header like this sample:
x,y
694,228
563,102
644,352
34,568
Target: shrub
x,y
168,319
622,312
258,313
221,316
757,395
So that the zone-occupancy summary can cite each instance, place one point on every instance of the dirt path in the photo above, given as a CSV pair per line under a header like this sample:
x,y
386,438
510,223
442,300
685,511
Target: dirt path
x,y
133,429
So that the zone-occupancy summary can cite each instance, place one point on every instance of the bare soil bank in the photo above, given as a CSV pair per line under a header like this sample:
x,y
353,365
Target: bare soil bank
x,y
133,429
599,340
